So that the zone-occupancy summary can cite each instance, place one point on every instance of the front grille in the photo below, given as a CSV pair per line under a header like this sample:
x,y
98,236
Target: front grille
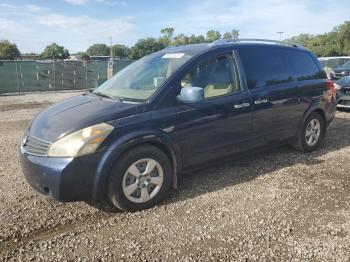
x,y
35,146
338,75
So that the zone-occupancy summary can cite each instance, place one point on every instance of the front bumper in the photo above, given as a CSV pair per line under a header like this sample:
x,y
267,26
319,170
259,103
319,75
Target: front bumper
x,y
64,179
343,99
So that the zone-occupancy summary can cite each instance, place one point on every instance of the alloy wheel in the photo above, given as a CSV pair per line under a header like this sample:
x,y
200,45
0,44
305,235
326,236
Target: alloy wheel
x,y
143,180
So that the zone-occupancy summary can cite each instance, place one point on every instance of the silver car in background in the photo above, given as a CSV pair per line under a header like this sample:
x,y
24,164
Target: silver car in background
x,y
343,92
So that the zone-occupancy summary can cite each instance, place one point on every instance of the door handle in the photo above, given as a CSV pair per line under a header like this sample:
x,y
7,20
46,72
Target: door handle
x,y
242,105
261,101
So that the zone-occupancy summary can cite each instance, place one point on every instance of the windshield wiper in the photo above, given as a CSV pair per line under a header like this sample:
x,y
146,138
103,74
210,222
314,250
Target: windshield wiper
x,y
105,96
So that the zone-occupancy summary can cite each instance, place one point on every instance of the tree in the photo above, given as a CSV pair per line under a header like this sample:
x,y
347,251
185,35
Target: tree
x,y
168,32
231,35
120,51
144,47
213,35
8,51
83,56
55,51
334,43
180,39
98,50
200,39
235,33
227,35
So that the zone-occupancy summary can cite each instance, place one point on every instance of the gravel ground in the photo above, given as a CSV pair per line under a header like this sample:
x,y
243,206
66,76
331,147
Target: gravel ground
x,y
276,205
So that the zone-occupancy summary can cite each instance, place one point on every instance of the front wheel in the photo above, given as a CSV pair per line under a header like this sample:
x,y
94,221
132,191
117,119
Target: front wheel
x,y
312,133
140,179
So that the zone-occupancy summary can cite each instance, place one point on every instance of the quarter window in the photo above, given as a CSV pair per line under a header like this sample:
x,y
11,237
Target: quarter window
x,y
218,77
305,68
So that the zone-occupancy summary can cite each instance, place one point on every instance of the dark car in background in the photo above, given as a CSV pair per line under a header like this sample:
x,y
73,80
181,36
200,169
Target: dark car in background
x,y
340,71
343,92
129,140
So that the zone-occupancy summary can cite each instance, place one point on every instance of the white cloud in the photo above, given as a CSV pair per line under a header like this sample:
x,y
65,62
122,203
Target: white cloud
x,y
5,23
34,27
36,9
77,2
22,9
111,2
261,19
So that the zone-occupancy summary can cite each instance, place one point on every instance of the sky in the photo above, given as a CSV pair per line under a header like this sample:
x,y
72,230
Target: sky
x,y
77,24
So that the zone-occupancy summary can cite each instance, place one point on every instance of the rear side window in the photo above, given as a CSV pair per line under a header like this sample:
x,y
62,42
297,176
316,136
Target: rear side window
x,y
268,66
265,66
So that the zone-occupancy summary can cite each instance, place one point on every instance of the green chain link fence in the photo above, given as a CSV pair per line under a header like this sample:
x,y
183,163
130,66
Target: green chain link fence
x,y
32,76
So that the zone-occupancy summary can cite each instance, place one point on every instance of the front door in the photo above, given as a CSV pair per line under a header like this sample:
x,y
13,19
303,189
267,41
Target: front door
x,y
222,123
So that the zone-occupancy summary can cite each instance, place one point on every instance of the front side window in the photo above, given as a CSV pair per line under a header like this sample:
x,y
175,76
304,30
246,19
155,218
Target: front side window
x,y
217,76
140,80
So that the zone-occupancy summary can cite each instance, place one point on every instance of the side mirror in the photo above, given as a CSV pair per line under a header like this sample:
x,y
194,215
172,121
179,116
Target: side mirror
x,y
190,95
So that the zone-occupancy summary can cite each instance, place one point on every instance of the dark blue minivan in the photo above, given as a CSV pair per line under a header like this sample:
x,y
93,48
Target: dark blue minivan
x,y
129,140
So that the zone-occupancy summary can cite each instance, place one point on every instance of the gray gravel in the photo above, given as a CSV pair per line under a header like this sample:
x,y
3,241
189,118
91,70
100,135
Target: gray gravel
x,y
275,205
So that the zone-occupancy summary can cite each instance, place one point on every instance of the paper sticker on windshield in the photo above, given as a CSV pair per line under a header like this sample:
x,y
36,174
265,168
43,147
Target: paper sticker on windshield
x,y
173,55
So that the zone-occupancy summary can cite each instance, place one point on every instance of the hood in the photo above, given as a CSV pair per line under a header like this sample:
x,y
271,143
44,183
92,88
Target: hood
x,y
341,69
76,113
344,82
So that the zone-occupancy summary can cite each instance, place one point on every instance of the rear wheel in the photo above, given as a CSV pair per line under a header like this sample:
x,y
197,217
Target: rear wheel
x,y
312,133
140,179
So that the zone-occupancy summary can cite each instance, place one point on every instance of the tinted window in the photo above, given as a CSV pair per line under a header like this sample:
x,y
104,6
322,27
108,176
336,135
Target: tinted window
x,y
265,66
304,66
216,76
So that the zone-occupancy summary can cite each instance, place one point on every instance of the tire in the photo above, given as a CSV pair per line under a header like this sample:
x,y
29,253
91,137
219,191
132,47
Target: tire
x,y
131,187
302,142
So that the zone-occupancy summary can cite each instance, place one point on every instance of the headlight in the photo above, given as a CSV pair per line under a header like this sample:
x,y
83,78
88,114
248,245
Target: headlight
x,y
82,142
337,87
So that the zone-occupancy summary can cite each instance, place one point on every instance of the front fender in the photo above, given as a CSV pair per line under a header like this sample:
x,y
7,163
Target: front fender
x,y
124,143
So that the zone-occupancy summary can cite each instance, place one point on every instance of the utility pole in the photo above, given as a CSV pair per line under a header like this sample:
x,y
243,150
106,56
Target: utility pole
x,y
110,62
280,33
110,38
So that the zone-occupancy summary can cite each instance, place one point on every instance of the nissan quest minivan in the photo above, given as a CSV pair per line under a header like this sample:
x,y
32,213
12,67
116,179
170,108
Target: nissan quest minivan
x,y
129,140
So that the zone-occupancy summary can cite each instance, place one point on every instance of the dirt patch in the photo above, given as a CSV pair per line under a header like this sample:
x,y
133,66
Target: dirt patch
x,y
273,206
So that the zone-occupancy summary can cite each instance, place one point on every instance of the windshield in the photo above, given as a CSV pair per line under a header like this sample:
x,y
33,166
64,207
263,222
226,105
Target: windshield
x,y
346,65
141,79
344,81
333,62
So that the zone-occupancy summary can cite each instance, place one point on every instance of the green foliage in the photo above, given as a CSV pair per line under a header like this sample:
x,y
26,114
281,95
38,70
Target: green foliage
x,y
227,35
8,51
144,47
235,33
120,51
334,43
98,50
55,51
213,35
168,32
83,55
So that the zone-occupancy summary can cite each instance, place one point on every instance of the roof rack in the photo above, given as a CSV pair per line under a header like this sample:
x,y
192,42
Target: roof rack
x,y
242,40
